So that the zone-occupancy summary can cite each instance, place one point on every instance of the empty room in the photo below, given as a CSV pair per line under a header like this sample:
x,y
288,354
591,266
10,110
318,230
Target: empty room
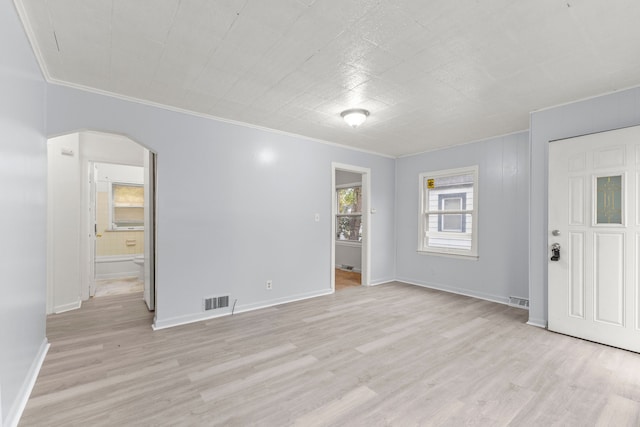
x,y
320,212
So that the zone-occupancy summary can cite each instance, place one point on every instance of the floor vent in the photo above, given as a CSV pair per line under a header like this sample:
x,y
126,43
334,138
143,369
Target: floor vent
x,y
214,303
519,302
346,267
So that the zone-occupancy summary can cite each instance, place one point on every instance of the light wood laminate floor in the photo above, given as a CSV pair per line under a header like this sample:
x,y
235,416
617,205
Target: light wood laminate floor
x,y
388,355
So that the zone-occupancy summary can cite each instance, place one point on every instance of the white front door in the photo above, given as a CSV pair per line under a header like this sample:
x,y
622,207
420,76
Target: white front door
x,y
595,218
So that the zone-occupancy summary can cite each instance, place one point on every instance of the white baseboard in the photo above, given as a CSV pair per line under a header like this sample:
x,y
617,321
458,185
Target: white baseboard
x,y
283,300
198,317
67,307
539,323
381,282
119,275
466,292
353,270
16,410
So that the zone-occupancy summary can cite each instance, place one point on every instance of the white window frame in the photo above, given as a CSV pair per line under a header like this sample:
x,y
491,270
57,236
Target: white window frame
x,y
424,213
112,225
357,243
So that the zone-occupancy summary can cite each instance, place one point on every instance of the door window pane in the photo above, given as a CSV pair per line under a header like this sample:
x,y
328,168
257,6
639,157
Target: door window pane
x,y
609,199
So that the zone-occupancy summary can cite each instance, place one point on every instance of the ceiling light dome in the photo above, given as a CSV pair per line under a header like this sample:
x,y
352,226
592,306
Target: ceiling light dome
x,y
355,116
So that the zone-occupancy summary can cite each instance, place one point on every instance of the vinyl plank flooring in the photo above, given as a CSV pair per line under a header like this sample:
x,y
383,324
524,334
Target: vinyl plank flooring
x,y
389,355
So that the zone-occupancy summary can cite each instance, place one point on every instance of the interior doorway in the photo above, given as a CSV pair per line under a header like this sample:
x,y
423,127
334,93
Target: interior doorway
x,y
350,226
101,217
117,204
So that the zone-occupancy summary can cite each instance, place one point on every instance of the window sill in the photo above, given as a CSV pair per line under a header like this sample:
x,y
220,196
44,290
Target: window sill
x,y
449,255
348,243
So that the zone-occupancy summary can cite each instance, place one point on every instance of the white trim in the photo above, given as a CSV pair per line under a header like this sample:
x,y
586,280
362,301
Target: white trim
x,y
28,29
538,323
349,185
353,270
446,147
67,307
351,243
116,258
447,255
366,219
208,116
198,317
479,295
585,99
117,275
381,282
16,410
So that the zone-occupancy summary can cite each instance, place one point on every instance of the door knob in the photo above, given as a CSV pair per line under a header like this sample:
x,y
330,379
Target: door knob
x,y
555,252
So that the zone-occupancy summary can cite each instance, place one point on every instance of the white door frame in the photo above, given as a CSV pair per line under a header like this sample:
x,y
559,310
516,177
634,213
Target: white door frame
x,y
366,220
91,273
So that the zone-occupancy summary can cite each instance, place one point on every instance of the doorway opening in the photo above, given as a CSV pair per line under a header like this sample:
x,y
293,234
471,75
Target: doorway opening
x,y
101,219
350,226
117,204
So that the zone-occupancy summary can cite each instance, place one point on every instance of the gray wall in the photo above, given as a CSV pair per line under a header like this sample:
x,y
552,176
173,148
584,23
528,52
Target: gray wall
x,y
227,220
22,214
613,111
501,269
344,177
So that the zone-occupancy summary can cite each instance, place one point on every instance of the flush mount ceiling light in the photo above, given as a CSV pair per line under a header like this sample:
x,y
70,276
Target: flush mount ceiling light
x,y
355,116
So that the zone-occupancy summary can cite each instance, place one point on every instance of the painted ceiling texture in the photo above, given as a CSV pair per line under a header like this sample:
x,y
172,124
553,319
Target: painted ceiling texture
x,y
431,73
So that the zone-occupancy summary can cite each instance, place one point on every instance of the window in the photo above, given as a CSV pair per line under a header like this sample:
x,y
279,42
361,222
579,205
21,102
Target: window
x,y
127,206
448,212
349,216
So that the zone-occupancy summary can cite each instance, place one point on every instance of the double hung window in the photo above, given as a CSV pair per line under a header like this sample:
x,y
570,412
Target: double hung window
x,y
349,216
448,212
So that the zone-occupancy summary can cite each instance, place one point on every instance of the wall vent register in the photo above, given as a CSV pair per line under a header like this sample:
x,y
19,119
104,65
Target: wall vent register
x,y
214,303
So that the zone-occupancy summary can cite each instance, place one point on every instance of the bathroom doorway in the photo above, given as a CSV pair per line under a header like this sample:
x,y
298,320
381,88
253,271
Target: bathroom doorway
x,y
118,202
101,219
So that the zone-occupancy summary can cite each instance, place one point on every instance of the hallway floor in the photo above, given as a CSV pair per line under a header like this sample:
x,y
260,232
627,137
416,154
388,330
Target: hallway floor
x,y
347,279
118,286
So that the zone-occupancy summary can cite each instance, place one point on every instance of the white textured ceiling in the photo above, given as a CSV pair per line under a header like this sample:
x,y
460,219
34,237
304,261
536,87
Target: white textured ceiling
x,y
432,73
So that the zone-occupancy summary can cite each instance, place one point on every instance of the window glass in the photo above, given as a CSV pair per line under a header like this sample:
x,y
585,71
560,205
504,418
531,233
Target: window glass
x,y
349,217
127,206
609,199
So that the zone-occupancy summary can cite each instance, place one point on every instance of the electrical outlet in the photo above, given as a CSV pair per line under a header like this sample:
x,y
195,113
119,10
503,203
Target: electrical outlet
x,y
269,284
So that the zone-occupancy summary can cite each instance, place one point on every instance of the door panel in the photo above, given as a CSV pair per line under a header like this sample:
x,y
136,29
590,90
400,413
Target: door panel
x,y
609,278
594,215
576,196
576,275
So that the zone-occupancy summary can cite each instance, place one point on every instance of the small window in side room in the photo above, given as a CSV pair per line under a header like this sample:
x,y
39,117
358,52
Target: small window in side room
x,y
127,206
349,216
448,212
